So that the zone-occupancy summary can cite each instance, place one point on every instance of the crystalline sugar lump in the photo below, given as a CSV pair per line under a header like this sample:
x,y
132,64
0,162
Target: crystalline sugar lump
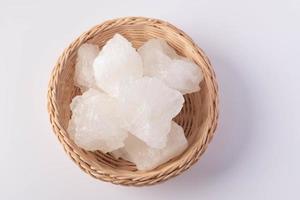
x,y
148,106
117,63
147,158
182,75
162,62
84,73
95,121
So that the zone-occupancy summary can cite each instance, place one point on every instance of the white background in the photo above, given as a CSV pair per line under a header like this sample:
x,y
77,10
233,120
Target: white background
x,y
255,49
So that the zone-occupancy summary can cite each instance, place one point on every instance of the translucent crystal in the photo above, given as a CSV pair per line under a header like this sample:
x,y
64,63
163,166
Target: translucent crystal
x,y
95,122
84,73
162,62
148,106
147,158
117,63
182,75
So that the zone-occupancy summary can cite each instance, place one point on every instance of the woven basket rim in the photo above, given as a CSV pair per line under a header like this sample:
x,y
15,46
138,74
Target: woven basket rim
x,y
118,176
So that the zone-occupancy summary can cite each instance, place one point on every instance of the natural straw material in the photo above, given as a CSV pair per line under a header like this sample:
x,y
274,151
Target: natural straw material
x,y
198,116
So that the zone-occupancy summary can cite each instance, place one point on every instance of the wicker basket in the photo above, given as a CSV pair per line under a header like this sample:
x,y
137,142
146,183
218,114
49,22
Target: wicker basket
x,y
198,116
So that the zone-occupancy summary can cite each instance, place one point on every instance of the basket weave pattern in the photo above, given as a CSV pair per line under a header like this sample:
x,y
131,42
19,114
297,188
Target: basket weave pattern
x,y
198,117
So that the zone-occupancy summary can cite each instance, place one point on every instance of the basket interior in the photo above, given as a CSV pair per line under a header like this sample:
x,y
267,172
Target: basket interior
x,y
193,116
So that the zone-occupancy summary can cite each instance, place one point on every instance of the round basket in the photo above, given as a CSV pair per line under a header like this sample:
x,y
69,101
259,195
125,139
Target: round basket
x,y
198,116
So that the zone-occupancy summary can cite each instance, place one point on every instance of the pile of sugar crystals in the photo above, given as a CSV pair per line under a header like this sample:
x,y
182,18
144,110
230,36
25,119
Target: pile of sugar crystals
x,y
129,99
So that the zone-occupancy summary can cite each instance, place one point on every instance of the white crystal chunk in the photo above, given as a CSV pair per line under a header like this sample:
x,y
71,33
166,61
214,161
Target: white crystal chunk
x,y
117,63
84,73
95,122
182,75
147,158
162,62
148,106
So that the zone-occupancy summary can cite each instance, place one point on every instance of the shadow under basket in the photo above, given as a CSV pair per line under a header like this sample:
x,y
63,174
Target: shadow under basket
x,y
198,117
